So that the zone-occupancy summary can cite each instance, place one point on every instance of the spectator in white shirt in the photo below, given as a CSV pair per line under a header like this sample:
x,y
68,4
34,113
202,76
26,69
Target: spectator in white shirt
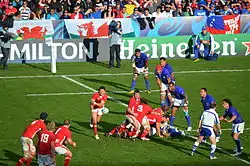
x,y
146,13
169,11
158,12
25,11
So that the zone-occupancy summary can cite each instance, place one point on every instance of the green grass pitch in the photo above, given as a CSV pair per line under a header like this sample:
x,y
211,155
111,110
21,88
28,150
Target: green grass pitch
x,y
18,110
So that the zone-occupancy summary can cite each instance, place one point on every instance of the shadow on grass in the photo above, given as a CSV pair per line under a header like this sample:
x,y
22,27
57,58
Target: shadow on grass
x,y
47,69
102,64
14,157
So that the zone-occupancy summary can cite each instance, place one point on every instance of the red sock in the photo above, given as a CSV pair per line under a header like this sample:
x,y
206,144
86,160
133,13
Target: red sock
x,y
67,161
122,128
21,162
145,133
134,132
95,128
113,131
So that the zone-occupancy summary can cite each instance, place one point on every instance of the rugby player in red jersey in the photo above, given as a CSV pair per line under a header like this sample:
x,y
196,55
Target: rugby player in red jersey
x,y
155,118
29,149
63,135
46,146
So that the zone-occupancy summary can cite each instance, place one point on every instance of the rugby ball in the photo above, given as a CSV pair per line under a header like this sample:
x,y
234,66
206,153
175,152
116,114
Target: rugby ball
x,y
105,110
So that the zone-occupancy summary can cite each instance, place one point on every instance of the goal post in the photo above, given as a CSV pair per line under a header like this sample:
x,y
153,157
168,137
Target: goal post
x,y
49,42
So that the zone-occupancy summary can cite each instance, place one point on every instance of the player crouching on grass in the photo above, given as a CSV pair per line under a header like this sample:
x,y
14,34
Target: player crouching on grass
x,y
208,120
97,103
237,124
63,136
46,146
29,149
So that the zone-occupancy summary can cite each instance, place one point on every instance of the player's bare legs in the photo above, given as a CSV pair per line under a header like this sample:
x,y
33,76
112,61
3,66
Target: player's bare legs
x,y
99,118
94,120
28,156
172,117
236,138
187,117
147,83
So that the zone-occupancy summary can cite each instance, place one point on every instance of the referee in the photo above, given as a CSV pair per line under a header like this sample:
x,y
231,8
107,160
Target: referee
x,y
115,45
5,38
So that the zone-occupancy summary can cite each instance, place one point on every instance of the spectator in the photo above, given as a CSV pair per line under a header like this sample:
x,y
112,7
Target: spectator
x,y
76,14
97,12
18,16
31,5
118,10
25,11
10,10
168,11
4,4
151,5
17,4
136,14
246,8
20,36
188,11
81,3
55,4
122,14
130,6
178,12
200,11
109,14
65,15
146,13
236,8
41,4
66,5
52,15
226,10
38,15
158,12
211,10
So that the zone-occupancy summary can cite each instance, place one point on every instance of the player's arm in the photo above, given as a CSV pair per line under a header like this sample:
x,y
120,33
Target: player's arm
x,y
170,98
224,116
158,130
131,111
133,63
53,151
232,119
158,81
69,140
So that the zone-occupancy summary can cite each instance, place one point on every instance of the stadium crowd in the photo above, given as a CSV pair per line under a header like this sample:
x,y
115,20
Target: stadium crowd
x,y
89,9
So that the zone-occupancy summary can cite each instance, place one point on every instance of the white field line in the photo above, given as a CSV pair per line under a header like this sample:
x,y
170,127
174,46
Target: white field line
x,y
75,93
123,74
220,149
89,88
123,104
227,129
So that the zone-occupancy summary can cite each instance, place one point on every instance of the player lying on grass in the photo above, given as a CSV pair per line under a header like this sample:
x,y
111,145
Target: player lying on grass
x,y
46,146
180,100
29,149
208,120
97,104
237,124
63,136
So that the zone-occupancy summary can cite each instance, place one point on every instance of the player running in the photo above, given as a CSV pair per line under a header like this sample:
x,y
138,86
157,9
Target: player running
x,y
97,103
133,102
29,149
237,124
206,99
63,135
163,77
140,66
208,120
180,100
46,146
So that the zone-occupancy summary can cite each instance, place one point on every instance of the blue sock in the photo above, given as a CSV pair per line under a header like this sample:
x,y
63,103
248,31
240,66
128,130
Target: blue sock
x,y
172,118
237,142
147,84
133,84
188,120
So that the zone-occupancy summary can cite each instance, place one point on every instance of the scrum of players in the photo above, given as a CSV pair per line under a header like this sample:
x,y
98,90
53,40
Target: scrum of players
x,y
140,120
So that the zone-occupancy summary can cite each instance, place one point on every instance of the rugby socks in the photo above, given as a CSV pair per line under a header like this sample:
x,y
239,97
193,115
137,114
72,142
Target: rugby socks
x,y
172,118
145,133
95,128
147,84
67,161
213,148
187,117
121,129
238,145
21,162
133,84
195,146
113,131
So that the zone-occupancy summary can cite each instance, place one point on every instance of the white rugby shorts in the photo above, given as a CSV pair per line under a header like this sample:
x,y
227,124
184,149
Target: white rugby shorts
x,y
238,128
141,71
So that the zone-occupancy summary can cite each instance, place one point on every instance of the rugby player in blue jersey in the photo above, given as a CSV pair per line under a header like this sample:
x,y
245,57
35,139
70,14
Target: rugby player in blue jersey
x,y
206,99
180,100
237,123
140,66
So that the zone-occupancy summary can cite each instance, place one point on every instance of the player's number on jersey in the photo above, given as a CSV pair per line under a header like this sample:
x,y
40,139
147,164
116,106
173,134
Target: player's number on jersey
x,y
45,138
140,108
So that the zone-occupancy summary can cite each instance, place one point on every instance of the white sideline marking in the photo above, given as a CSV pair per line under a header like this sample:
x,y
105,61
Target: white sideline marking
x,y
89,88
123,104
228,129
75,93
237,157
123,74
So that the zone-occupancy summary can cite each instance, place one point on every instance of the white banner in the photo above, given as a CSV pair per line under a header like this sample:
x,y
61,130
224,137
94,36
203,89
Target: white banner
x,y
95,28
35,29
